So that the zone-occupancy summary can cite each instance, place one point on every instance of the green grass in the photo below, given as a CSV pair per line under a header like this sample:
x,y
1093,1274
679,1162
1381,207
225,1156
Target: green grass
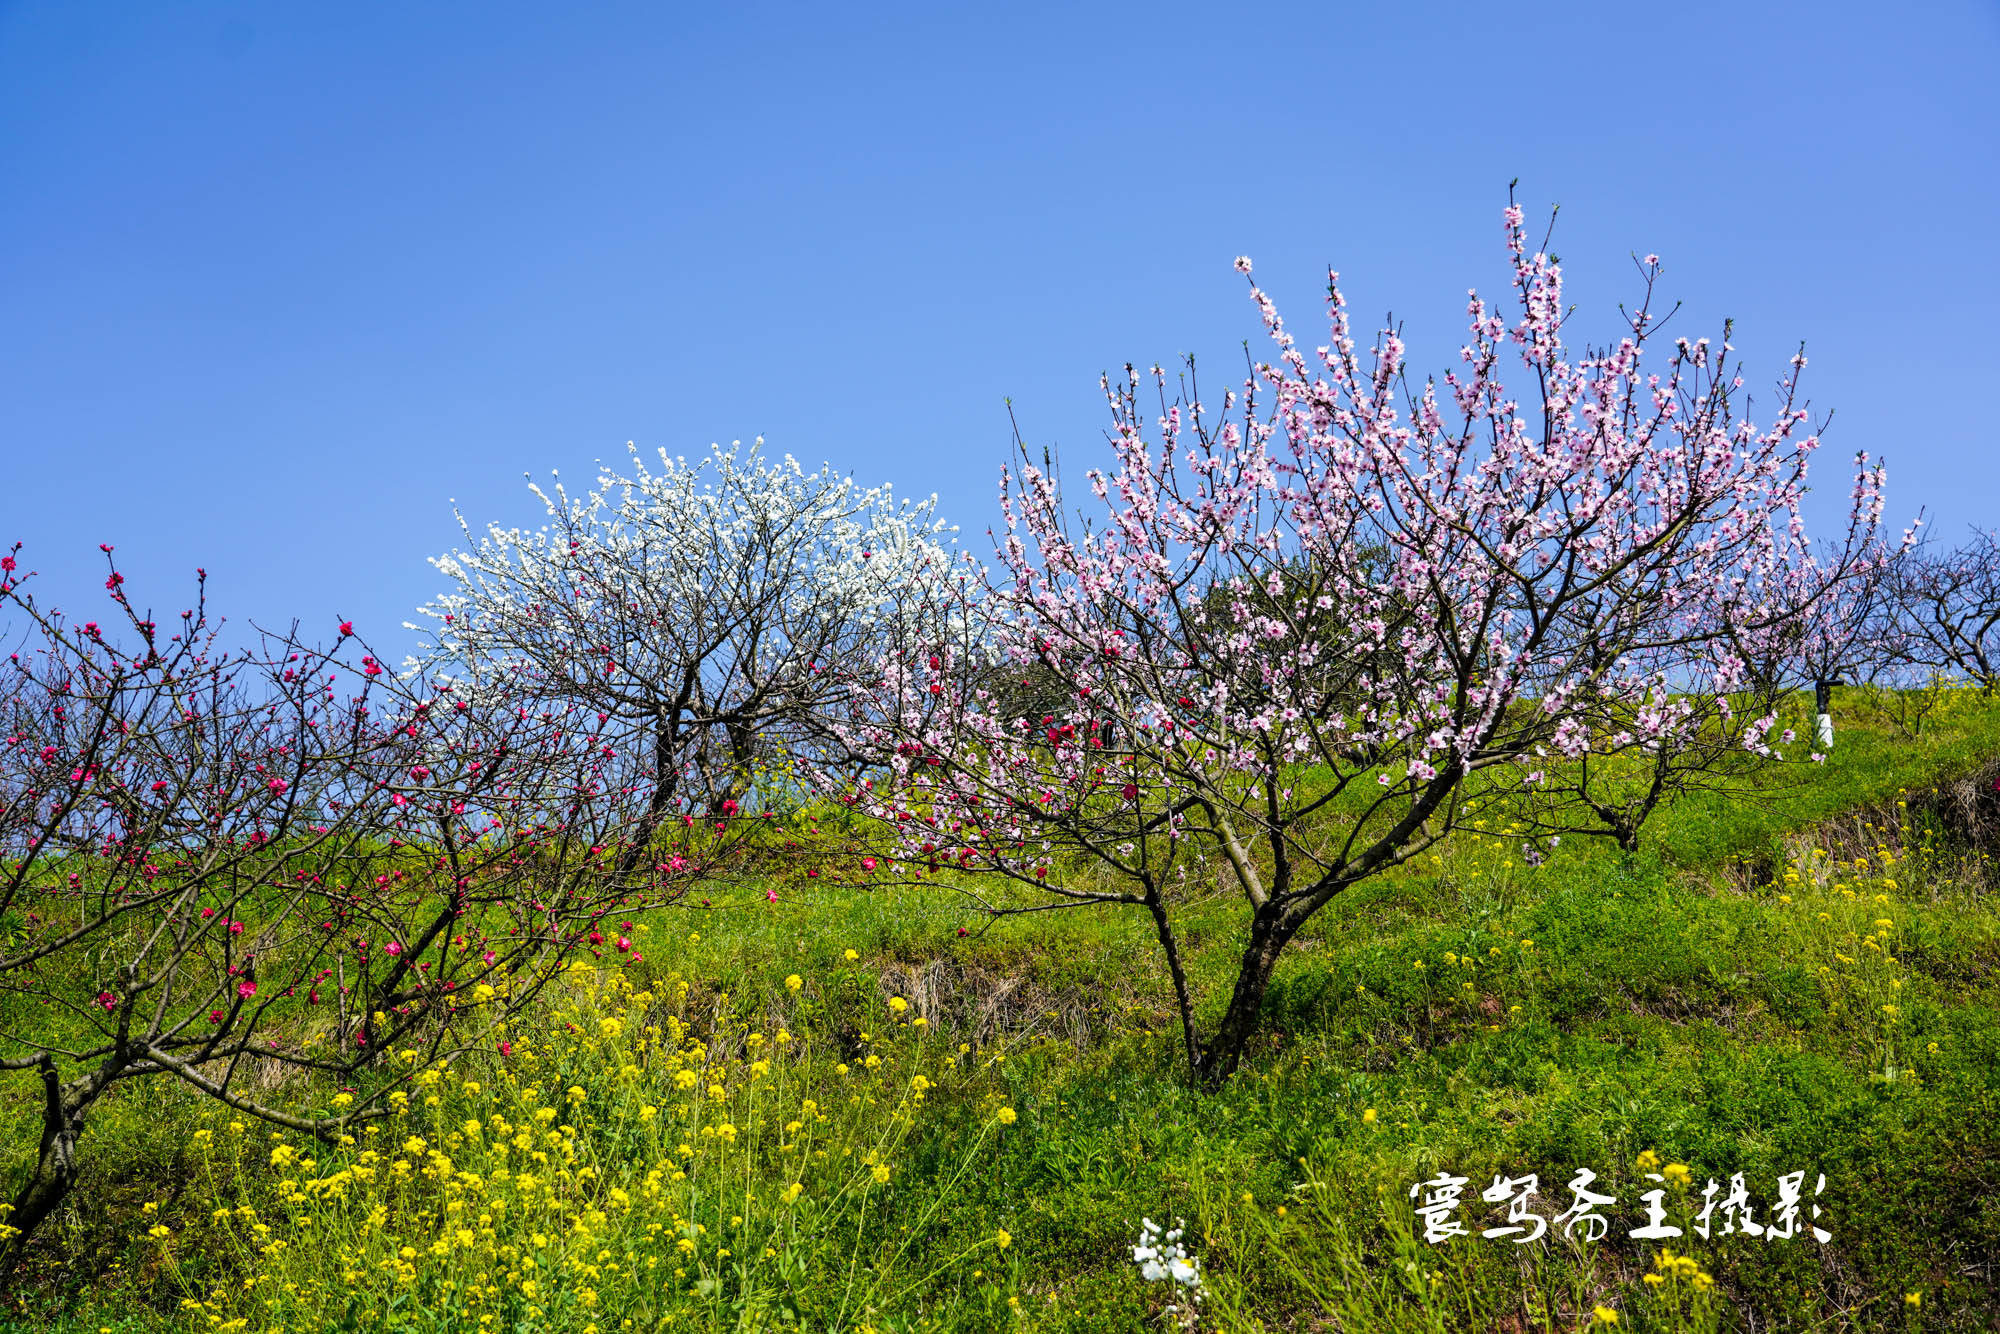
x,y
1695,1002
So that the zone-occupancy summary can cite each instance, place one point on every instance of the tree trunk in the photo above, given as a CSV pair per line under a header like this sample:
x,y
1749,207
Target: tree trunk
x,y
1183,998
1622,826
56,1165
1223,1052
665,783
742,748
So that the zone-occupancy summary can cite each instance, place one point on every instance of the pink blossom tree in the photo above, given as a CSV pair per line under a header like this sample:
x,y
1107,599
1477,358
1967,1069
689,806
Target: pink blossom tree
x,y
1709,721
1309,627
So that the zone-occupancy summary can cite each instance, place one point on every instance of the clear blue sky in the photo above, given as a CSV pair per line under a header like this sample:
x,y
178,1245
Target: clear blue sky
x,y
279,280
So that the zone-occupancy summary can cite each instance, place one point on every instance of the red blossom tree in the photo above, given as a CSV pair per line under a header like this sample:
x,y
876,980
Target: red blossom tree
x,y
226,866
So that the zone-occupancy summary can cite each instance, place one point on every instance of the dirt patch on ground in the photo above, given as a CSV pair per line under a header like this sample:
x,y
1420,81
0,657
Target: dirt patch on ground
x,y
978,1005
1967,809
1959,815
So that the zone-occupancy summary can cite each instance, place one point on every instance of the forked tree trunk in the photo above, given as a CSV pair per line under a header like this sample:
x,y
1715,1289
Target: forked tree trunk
x,y
56,1164
1623,826
1223,1051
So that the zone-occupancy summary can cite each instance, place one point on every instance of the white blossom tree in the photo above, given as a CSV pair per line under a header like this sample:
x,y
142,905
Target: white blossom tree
x,y
703,610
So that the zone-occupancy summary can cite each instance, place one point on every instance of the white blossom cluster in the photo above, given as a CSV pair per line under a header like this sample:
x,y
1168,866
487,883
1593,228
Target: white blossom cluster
x,y
1161,1256
732,537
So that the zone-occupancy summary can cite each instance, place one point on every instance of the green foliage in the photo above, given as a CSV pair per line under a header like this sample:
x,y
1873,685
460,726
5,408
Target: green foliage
x,y
1726,999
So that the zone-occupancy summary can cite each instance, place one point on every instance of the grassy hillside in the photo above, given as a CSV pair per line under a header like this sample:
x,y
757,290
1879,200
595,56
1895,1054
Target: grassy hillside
x,y
838,1111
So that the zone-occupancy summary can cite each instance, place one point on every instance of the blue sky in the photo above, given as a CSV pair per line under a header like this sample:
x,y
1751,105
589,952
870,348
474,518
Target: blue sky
x,y
280,281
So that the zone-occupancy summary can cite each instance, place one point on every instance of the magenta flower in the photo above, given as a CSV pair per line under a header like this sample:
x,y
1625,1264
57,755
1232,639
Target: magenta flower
x,y
392,949
246,989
